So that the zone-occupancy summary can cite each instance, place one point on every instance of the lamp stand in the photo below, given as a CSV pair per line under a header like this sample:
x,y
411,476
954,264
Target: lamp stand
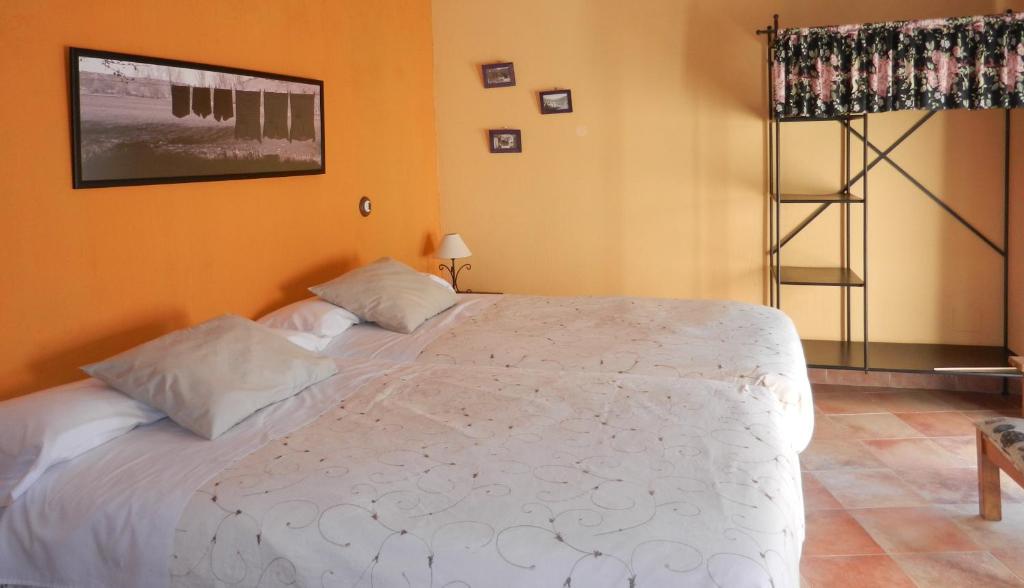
x,y
454,272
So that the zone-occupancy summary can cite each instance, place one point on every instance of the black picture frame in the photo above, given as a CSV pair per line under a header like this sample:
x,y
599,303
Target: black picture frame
x,y
498,75
133,132
550,102
505,140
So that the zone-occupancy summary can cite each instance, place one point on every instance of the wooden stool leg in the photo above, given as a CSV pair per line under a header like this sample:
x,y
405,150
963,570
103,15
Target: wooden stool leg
x,y
990,499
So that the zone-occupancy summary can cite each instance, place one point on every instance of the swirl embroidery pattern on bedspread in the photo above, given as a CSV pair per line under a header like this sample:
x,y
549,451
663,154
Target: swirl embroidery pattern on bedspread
x,y
683,338
440,476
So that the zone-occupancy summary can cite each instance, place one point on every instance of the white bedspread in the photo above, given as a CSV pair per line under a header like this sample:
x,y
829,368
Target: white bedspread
x,y
488,477
707,339
106,519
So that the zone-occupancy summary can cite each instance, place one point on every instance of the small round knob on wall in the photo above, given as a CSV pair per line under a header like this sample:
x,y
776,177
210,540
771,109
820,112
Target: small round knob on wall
x,y
365,206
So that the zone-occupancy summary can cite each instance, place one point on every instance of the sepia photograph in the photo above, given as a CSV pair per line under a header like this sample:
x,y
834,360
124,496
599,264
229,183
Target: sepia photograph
x,y
556,102
499,75
506,140
141,120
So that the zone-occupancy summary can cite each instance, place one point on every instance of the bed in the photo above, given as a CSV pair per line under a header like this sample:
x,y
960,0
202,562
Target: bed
x,y
492,447
705,339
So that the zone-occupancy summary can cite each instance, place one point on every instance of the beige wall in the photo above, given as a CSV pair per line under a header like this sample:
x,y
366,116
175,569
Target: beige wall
x,y
655,185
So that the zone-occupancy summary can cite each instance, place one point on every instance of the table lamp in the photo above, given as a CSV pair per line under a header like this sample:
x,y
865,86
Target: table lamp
x,y
453,247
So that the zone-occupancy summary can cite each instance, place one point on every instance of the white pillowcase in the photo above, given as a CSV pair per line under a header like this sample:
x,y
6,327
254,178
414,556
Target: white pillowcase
x,y
440,280
58,424
307,341
211,376
312,315
389,293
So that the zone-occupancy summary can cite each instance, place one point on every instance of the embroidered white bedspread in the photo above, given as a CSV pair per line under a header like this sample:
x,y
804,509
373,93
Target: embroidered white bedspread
x,y
706,339
106,519
435,475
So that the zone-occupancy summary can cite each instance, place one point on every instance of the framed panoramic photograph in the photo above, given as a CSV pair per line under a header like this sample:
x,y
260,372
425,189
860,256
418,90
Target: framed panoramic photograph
x,y
143,120
499,75
506,140
556,101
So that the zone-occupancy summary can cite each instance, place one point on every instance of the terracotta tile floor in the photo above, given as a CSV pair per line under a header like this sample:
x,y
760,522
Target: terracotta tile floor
x,y
891,493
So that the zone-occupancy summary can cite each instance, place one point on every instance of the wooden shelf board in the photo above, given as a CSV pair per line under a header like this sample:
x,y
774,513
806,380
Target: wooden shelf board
x,y
819,276
842,117
903,357
838,198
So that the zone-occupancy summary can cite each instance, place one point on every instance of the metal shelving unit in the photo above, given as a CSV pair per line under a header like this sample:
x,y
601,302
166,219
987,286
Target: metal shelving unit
x,y
865,354
841,276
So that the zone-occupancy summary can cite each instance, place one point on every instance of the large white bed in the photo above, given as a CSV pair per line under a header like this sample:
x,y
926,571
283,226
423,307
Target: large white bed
x,y
510,441
704,339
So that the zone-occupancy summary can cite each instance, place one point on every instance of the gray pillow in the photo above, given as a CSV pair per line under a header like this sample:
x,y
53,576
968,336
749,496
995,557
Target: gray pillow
x,y
210,377
388,293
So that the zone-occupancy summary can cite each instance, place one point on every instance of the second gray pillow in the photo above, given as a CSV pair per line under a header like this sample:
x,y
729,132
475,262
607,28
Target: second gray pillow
x,y
389,293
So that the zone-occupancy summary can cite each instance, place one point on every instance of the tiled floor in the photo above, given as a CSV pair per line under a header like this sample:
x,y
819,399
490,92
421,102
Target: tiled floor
x,y
891,493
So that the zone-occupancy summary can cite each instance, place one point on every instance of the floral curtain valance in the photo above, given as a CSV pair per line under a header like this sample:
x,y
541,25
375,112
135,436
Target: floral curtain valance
x,y
970,62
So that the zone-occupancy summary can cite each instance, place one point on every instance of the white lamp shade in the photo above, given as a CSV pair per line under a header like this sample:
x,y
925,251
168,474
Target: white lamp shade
x,y
452,247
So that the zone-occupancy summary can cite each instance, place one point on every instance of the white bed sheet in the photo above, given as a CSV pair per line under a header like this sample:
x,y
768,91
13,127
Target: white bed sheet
x,y
106,519
709,339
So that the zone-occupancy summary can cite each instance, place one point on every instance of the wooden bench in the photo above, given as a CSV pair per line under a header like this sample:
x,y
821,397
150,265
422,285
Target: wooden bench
x,y
1000,447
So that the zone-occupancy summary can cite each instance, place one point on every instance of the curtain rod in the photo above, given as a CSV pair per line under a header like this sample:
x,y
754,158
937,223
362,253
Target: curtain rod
x,y
772,28
775,27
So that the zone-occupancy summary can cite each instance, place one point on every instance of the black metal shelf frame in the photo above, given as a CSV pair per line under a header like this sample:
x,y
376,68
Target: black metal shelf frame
x,y
848,354
843,276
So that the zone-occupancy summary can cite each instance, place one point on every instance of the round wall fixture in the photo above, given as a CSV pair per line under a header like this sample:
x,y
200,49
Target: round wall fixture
x,y
365,206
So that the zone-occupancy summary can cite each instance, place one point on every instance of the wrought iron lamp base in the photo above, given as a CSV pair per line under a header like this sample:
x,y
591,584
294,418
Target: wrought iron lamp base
x,y
454,272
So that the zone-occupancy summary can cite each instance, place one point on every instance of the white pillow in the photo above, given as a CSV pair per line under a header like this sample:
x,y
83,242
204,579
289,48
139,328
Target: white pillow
x,y
389,293
307,341
58,424
211,376
312,315
440,280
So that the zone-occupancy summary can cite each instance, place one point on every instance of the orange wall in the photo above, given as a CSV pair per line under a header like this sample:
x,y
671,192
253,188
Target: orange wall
x,y
86,273
655,185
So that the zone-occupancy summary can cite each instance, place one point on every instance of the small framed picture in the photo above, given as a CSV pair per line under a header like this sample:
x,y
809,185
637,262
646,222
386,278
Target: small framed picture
x,y
506,140
556,102
499,75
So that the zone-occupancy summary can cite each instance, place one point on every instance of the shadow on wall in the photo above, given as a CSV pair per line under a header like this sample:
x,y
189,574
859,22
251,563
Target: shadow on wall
x,y
1016,318
429,247
297,287
61,366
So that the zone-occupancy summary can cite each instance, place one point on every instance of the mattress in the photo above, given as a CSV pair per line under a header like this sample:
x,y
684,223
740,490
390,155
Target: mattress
x,y
706,339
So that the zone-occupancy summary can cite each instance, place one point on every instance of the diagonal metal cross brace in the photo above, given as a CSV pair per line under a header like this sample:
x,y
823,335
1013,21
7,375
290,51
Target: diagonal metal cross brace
x,y
882,155
929,193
